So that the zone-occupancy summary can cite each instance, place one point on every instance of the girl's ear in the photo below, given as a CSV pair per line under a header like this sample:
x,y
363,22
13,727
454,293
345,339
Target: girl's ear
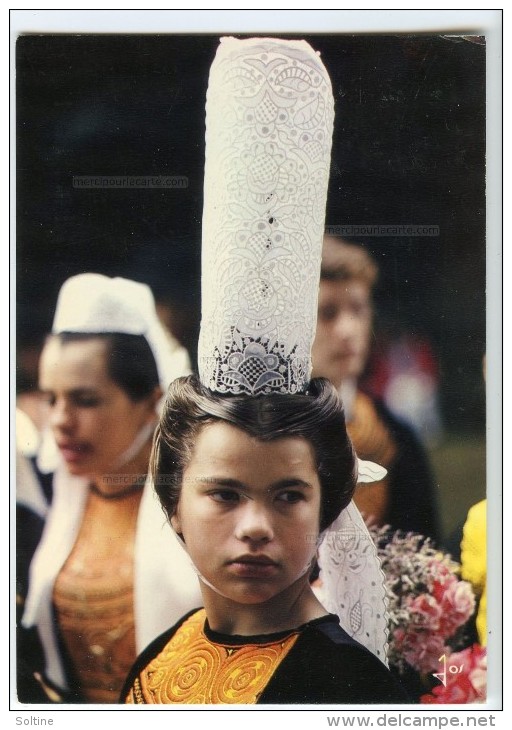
x,y
154,400
176,522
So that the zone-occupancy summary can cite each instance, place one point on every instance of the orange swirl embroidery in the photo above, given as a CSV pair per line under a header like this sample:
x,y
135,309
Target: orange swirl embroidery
x,y
246,673
193,670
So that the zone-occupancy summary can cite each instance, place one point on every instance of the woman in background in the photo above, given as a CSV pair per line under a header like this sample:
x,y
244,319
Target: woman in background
x,y
102,371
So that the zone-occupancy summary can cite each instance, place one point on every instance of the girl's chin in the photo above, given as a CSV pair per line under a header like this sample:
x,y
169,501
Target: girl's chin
x,y
252,594
79,469
245,596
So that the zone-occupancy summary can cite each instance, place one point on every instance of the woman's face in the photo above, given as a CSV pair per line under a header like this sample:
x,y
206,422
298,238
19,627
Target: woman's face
x,y
93,420
343,330
249,512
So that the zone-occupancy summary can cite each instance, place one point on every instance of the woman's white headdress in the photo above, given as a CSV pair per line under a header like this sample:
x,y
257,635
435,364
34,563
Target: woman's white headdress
x,y
97,304
269,123
94,303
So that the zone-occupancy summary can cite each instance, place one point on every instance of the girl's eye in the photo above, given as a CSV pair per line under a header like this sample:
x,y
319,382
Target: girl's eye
x,y
48,398
290,497
77,401
360,310
225,496
327,313
84,401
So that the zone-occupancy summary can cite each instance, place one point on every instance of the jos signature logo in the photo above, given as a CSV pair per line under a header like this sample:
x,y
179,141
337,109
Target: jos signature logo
x,y
452,669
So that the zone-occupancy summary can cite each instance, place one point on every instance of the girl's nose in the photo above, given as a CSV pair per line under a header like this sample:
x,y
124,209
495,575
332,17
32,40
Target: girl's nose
x,y
254,523
345,325
61,416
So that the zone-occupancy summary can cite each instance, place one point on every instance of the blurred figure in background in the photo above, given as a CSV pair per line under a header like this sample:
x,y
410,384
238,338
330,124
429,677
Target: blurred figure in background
x,y
103,371
406,498
405,375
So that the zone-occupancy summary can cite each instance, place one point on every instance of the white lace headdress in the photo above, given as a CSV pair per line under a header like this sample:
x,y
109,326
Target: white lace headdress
x,y
269,122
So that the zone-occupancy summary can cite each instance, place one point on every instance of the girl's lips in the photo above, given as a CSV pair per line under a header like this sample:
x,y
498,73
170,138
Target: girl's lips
x,y
346,354
73,452
251,566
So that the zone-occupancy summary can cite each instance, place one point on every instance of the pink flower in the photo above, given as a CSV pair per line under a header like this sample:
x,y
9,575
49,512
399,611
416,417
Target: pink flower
x,y
442,570
474,661
478,679
425,611
423,653
457,606
444,578
419,649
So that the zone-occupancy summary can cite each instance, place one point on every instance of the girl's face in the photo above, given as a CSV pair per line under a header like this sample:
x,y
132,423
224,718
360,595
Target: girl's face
x,y
93,420
249,512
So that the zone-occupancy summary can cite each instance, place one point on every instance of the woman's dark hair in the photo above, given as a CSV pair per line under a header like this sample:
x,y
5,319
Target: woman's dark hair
x,y
130,361
317,416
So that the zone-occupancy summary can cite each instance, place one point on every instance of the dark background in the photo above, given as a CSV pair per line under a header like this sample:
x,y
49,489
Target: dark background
x,y
408,149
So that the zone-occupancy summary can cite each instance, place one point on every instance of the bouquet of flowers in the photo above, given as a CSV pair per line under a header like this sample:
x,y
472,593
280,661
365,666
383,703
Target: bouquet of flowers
x,y
428,608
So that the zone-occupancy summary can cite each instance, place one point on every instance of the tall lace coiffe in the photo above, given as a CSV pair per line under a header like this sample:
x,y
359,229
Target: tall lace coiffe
x,y
269,122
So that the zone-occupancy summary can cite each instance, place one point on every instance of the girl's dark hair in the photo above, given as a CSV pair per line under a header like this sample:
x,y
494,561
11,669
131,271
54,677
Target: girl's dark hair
x,y
130,361
316,416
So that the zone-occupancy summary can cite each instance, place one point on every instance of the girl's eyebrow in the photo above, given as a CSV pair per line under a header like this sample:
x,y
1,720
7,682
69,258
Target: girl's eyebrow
x,y
236,484
72,393
292,482
221,481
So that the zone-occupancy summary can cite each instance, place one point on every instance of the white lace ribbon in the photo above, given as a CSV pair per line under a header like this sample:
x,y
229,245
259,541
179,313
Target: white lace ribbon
x,y
351,578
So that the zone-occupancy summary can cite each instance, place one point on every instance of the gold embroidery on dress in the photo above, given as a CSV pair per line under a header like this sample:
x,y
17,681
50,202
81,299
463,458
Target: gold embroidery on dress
x,y
135,696
193,670
93,598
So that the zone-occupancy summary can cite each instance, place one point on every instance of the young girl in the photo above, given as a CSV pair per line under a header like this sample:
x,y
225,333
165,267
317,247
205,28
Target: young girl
x,y
249,485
